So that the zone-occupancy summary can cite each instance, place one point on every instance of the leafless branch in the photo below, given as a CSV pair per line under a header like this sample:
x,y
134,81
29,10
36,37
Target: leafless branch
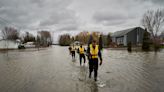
x,y
153,20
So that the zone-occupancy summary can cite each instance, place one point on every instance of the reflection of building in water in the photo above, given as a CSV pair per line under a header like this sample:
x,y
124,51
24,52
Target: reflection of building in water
x,y
133,35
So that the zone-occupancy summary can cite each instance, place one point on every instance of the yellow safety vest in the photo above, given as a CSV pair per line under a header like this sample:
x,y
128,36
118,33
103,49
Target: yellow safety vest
x,y
81,50
94,52
73,49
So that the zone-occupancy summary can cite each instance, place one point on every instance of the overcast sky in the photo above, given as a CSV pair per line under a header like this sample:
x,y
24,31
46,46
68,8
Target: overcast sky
x,y
62,16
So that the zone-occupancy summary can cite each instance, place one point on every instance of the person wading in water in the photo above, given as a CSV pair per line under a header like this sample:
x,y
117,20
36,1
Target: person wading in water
x,y
94,53
81,52
73,49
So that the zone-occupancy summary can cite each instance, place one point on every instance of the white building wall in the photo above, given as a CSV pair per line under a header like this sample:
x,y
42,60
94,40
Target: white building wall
x,y
120,41
125,40
113,39
137,36
8,44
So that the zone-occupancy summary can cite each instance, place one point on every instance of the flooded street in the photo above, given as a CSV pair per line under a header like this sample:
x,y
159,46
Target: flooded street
x,y
52,70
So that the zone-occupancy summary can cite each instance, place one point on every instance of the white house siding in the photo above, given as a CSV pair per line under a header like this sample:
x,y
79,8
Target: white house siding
x,y
113,39
120,40
125,40
8,44
137,36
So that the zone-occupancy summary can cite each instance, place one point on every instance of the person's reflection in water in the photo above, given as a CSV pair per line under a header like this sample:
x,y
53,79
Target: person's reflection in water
x,y
83,74
83,78
94,87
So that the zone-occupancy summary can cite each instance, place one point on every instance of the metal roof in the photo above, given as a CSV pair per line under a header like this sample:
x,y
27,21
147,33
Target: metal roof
x,y
123,32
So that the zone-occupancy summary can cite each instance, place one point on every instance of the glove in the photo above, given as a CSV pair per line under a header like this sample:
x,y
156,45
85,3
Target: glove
x,y
100,62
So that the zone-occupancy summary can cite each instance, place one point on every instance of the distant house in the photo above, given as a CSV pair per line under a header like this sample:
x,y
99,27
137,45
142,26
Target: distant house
x,y
76,43
133,35
162,38
8,44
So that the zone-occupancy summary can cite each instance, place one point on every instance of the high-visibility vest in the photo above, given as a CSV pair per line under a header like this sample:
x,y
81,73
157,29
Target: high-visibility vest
x,y
81,50
73,48
94,51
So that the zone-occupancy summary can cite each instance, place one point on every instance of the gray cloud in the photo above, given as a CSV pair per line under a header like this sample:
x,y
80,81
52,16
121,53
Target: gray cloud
x,y
110,17
160,2
31,14
69,27
62,19
77,15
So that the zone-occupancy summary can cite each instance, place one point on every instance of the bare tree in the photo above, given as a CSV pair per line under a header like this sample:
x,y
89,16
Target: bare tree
x,y
45,37
153,21
9,33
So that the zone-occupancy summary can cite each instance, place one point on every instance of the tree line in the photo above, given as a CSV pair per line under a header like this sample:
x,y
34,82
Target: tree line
x,y
43,38
83,37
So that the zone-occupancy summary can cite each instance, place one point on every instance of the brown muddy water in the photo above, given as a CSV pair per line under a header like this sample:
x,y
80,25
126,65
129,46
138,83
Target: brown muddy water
x,y
52,70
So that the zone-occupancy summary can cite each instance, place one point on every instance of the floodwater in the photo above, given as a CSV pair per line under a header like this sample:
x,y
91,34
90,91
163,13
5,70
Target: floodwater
x,y
52,70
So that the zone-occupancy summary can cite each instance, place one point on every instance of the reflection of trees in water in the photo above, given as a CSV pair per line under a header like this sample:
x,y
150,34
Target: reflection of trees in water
x,y
145,71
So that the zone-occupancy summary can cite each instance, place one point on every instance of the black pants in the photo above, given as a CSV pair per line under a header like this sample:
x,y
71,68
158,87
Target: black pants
x,y
73,54
82,56
93,66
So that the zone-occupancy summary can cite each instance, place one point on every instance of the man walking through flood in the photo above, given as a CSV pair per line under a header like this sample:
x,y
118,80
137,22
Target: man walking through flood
x,y
81,52
73,49
93,54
